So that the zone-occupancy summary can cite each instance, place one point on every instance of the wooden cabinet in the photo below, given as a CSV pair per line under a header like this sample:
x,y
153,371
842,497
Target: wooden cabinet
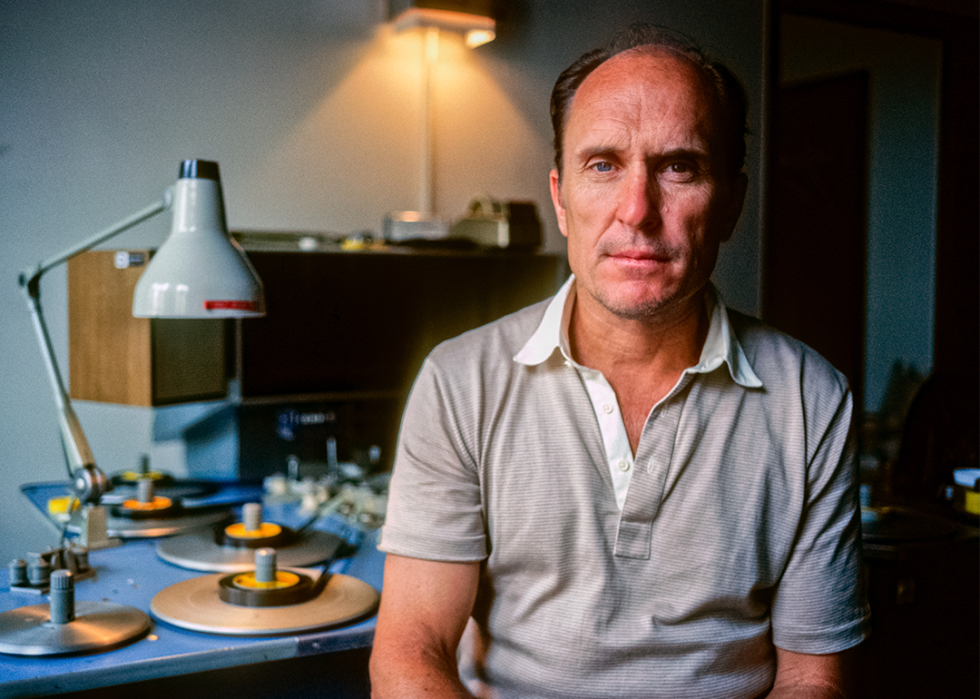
x,y
340,325
351,323
116,358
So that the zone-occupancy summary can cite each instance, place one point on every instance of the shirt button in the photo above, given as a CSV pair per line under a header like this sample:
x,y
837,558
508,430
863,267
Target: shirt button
x,y
624,465
607,408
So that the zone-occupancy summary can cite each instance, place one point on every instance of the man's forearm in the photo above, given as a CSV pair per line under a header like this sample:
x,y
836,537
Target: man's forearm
x,y
806,692
804,676
424,609
415,677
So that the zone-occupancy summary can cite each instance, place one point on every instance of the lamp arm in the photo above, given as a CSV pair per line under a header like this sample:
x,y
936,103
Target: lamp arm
x,y
77,450
34,273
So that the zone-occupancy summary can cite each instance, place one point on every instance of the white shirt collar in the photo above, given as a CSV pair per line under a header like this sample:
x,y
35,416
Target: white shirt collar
x,y
720,346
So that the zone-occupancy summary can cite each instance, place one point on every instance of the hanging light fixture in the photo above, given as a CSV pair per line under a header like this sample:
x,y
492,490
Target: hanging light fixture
x,y
474,19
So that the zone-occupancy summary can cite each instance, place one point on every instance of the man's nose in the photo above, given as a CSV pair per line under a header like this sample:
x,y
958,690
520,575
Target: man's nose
x,y
639,200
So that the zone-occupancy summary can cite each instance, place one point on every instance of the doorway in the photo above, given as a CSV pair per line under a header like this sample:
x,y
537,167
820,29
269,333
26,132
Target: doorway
x,y
815,255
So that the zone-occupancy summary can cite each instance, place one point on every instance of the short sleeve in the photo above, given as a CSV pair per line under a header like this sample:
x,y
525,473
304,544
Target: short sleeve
x,y
820,604
435,508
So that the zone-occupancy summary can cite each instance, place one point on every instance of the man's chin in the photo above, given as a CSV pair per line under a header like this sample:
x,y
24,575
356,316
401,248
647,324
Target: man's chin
x,y
636,308
648,305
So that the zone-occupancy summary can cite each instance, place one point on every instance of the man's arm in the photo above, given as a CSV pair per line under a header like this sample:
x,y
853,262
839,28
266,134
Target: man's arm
x,y
424,608
806,676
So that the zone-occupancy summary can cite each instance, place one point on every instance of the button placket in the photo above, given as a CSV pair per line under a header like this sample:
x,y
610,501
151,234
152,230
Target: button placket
x,y
635,533
613,432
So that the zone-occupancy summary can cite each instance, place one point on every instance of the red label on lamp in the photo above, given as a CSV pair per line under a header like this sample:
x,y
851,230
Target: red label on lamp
x,y
230,306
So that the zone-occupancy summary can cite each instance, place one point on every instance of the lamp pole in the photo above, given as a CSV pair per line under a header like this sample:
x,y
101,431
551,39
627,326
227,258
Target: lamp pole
x,y
430,55
76,446
89,482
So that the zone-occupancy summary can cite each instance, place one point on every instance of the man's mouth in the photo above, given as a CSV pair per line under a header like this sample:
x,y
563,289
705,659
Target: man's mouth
x,y
640,257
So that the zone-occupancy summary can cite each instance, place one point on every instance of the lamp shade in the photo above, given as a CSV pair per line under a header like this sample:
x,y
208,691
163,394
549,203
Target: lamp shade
x,y
199,271
472,18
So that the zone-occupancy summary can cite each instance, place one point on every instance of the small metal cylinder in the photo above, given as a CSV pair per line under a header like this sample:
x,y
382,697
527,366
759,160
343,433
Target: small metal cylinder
x,y
38,569
265,565
145,490
62,597
252,516
292,467
18,571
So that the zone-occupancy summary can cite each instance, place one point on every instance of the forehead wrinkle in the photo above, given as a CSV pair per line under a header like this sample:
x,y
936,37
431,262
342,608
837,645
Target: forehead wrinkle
x,y
617,122
642,93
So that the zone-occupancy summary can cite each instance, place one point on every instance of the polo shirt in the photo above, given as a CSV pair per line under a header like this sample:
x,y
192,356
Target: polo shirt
x,y
739,528
552,335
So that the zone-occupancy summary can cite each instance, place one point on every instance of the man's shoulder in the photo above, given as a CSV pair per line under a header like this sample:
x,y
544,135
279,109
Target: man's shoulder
x,y
776,356
500,340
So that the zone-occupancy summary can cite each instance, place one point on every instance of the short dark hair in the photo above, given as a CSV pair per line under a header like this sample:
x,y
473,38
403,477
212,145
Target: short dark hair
x,y
728,88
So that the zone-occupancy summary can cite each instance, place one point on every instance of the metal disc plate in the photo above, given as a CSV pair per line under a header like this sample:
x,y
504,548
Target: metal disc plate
x,y
190,520
123,491
198,551
195,604
97,626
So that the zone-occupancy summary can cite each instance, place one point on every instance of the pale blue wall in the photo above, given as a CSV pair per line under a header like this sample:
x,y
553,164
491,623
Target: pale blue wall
x,y
902,171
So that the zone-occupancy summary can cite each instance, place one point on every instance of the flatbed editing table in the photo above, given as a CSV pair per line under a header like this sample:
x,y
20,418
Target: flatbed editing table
x,y
171,660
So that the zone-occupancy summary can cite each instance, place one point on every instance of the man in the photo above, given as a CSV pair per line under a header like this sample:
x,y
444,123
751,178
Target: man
x,y
628,491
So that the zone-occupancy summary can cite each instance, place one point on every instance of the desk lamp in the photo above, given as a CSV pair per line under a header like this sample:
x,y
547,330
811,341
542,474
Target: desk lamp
x,y
199,272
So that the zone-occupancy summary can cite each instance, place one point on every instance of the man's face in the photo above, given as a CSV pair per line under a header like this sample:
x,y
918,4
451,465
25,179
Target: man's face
x,y
644,198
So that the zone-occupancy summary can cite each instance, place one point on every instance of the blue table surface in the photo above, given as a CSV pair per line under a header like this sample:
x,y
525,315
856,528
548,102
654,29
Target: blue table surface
x,y
132,574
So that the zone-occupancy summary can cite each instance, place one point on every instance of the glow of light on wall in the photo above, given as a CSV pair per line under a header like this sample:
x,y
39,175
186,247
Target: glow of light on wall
x,y
355,155
352,155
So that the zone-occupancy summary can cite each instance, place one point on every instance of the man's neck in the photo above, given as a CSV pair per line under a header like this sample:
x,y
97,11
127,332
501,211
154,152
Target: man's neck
x,y
664,344
642,359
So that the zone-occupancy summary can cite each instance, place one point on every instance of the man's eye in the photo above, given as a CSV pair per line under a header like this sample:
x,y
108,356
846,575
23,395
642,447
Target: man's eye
x,y
682,171
602,166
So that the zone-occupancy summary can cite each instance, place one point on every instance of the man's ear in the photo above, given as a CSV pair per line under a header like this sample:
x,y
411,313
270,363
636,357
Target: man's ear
x,y
736,201
555,181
